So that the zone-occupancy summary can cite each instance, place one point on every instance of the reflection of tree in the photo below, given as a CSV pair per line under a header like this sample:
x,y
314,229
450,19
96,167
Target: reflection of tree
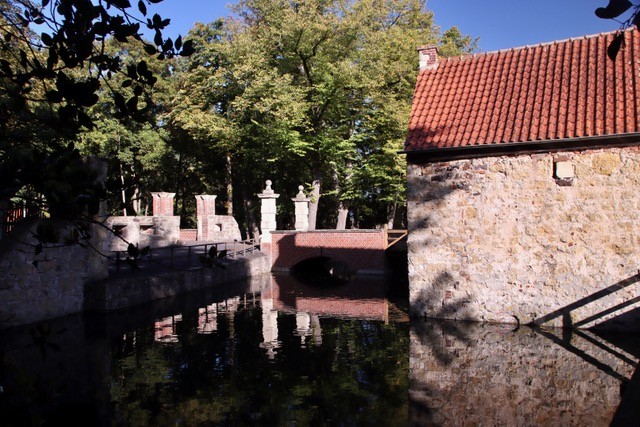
x,y
357,375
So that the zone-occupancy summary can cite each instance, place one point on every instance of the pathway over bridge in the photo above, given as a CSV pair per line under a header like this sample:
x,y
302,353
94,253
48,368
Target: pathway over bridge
x,y
363,251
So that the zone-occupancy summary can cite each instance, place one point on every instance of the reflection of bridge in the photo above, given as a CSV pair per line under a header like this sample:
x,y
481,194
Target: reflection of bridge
x,y
361,251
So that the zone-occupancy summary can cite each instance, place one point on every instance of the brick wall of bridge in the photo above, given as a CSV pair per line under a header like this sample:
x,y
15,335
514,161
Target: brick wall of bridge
x,y
362,250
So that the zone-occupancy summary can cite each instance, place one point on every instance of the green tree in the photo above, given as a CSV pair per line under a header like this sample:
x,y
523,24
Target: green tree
x,y
315,93
48,84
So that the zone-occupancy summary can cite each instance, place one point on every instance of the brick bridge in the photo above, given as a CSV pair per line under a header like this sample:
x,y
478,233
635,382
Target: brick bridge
x,y
364,251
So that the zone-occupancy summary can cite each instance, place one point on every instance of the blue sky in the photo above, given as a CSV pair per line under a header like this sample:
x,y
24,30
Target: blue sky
x,y
500,24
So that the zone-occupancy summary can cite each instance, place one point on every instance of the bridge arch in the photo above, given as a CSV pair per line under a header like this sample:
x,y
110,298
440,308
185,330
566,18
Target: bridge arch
x,y
362,250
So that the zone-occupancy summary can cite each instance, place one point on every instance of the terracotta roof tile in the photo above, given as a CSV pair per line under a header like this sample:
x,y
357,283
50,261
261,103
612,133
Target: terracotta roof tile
x,y
553,91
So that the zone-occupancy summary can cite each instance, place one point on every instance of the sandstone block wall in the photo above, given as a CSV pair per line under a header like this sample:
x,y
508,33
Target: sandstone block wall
x,y
552,238
222,227
153,231
49,284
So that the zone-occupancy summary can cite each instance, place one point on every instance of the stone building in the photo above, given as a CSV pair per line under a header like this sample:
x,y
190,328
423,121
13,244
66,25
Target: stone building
x,y
524,185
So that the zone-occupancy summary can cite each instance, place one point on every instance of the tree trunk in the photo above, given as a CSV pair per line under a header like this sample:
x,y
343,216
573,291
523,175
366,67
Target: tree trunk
x,y
229,184
343,210
123,195
136,200
251,227
313,203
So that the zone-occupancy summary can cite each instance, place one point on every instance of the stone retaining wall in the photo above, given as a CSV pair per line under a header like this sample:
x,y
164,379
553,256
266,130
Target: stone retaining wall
x,y
49,284
551,238
134,289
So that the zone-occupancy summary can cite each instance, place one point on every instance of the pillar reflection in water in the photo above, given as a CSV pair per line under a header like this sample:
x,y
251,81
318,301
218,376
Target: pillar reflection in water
x,y
308,325
269,327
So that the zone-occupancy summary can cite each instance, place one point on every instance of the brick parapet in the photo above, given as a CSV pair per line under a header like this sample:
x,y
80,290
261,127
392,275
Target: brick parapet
x,y
363,250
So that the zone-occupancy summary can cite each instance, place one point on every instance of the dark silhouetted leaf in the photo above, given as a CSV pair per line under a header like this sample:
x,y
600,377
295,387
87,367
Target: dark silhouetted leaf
x,y
142,8
150,49
54,96
614,9
133,251
222,254
46,39
145,251
213,252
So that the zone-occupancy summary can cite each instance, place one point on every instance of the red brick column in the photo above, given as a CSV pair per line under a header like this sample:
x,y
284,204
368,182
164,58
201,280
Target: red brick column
x,y
163,203
205,206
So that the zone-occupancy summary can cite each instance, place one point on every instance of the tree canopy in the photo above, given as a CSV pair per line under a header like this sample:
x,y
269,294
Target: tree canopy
x,y
315,93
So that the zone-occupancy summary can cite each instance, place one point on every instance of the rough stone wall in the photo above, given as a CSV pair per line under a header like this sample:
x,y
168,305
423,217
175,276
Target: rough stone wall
x,y
546,237
222,227
47,285
481,374
153,231
362,250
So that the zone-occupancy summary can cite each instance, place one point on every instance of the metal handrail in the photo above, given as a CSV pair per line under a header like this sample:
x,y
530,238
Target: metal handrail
x,y
235,250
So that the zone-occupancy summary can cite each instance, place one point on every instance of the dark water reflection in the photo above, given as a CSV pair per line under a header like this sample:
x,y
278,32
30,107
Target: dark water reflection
x,y
267,352
272,351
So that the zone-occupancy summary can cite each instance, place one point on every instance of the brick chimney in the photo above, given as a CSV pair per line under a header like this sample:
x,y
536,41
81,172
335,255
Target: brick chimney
x,y
428,56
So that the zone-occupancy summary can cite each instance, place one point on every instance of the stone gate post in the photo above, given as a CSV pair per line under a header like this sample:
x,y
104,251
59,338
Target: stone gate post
x,y
301,203
267,212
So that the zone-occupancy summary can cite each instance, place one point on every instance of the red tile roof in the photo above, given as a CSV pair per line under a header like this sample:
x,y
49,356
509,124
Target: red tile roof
x,y
549,92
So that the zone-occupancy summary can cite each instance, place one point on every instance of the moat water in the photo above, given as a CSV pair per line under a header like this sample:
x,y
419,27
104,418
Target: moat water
x,y
273,351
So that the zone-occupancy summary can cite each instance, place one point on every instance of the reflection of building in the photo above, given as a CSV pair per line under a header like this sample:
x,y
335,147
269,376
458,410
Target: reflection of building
x,y
208,319
165,329
359,299
474,374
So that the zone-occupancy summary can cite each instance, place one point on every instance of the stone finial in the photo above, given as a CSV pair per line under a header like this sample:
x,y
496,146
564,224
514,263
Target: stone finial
x,y
301,196
301,202
267,189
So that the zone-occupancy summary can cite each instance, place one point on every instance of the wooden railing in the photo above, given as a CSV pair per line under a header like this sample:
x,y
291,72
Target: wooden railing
x,y
394,236
16,213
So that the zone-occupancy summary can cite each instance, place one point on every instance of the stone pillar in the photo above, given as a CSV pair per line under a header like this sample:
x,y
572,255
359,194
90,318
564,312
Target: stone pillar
x,y
267,212
301,202
205,206
163,204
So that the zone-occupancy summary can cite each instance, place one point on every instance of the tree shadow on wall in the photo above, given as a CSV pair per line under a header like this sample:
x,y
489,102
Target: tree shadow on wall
x,y
442,338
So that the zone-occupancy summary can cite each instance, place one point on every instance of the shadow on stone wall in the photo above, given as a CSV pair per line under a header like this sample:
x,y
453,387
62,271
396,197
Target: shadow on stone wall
x,y
605,319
